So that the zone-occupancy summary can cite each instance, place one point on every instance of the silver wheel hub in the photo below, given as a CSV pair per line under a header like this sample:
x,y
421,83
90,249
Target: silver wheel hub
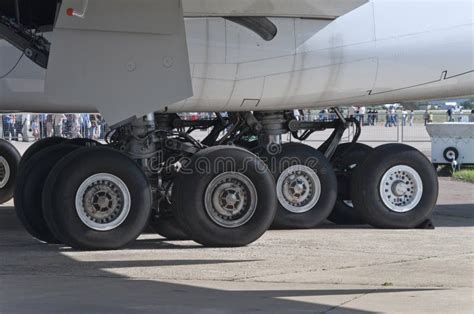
x,y
4,172
401,189
451,155
298,189
231,199
103,202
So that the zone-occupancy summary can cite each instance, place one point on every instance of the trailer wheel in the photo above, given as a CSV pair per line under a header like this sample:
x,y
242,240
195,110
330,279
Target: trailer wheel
x,y
395,187
225,197
9,164
451,154
29,188
345,162
96,198
306,186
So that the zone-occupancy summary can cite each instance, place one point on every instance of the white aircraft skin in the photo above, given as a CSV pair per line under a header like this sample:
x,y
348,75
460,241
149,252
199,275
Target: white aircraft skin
x,y
384,51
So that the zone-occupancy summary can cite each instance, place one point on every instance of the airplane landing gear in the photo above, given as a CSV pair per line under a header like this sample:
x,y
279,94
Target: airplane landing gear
x,y
404,204
101,197
212,192
9,164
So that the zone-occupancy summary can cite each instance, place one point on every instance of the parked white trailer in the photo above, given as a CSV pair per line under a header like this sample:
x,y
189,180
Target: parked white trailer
x,y
452,142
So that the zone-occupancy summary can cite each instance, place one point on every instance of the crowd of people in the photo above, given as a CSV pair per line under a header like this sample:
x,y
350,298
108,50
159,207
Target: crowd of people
x,y
93,126
393,116
38,126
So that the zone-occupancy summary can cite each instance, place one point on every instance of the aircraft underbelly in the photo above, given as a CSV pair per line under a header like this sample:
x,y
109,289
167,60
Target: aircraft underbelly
x,y
309,64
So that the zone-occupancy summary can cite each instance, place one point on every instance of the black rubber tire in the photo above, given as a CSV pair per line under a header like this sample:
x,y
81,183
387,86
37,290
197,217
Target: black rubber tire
x,y
85,142
447,151
189,194
300,154
345,162
366,181
40,145
60,191
29,188
12,158
168,227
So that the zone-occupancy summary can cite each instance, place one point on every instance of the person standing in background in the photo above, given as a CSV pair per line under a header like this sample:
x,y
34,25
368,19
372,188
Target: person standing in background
x,y
362,111
86,125
76,126
426,117
412,117
58,123
35,128
41,124
394,114
18,127
49,125
450,114
7,126
103,127
94,130
404,117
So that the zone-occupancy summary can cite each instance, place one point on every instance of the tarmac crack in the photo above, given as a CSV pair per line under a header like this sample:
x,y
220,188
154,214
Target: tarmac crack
x,y
348,301
249,278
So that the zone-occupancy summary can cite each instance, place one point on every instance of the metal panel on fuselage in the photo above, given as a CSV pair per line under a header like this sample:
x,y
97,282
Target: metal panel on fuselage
x,y
363,57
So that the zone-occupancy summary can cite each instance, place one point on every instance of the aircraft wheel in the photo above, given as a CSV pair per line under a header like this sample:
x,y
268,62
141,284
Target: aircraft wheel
x,y
168,227
306,186
40,145
9,163
97,198
395,187
29,188
86,142
345,162
225,197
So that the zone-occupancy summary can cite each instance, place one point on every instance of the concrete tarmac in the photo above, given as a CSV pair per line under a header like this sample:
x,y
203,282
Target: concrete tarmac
x,y
332,269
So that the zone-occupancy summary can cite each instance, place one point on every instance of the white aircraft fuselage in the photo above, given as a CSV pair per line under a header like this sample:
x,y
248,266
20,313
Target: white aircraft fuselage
x,y
382,52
